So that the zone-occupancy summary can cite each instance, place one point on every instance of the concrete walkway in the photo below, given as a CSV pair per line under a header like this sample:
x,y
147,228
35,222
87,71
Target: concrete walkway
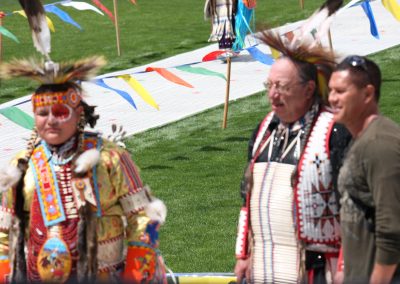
x,y
350,34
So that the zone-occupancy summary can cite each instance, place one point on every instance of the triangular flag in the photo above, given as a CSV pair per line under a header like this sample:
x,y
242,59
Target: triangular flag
x,y
61,14
18,117
104,9
49,22
123,94
372,24
140,90
169,76
200,70
9,34
393,7
82,6
260,56
212,55
275,53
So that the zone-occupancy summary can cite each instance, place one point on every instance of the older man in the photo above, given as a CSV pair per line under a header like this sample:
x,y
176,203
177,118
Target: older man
x,y
289,226
370,177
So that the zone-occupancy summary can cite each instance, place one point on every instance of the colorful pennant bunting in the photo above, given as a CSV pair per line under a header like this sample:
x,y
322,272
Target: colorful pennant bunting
x,y
140,90
18,117
123,94
200,70
169,76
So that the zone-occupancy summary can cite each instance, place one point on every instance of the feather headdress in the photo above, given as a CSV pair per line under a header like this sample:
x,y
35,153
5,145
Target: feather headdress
x,y
36,15
322,58
53,73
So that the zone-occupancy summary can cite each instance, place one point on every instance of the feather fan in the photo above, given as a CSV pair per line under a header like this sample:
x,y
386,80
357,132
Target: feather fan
x,y
37,21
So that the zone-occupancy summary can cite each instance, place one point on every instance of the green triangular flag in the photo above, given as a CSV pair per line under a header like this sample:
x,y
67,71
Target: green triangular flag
x,y
200,70
18,116
7,33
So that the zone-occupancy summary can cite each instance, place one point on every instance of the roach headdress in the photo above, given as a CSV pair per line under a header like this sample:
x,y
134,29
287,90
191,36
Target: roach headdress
x,y
321,58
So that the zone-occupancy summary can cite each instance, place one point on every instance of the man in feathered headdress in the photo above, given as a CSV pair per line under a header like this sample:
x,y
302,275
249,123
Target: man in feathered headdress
x,y
288,228
73,205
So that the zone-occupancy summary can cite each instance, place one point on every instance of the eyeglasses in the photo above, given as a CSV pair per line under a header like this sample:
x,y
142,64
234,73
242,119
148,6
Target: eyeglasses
x,y
60,112
357,61
279,87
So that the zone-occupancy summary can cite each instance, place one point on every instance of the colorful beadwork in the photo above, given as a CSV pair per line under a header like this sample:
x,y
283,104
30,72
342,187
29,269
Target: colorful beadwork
x,y
47,187
69,97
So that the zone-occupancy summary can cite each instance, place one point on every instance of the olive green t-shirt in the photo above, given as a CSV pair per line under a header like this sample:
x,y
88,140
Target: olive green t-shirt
x,y
371,174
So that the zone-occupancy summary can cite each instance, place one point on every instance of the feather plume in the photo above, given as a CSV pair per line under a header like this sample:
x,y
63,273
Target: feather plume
x,y
36,15
52,73
86,161
317,25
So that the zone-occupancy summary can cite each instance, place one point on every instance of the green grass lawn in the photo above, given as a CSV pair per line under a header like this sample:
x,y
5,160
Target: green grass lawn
x,y
193,165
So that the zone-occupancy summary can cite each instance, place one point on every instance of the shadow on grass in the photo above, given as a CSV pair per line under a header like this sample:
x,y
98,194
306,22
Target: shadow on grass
x,y
236,139
148,56
212,149
157,167
179,158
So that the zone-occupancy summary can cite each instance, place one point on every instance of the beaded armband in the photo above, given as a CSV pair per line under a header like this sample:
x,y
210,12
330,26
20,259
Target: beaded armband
x,y
134,201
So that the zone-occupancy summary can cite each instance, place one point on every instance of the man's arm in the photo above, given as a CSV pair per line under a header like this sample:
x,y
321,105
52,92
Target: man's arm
x,y
382,274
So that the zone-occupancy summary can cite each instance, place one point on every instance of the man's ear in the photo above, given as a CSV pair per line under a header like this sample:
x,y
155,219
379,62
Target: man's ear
x,y
310,89
369,93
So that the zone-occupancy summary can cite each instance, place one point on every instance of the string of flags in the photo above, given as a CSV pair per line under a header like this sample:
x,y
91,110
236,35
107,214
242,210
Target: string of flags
x,y
53,9
22,119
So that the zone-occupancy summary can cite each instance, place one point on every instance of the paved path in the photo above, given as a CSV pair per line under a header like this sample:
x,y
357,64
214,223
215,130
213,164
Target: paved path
x,y
350,33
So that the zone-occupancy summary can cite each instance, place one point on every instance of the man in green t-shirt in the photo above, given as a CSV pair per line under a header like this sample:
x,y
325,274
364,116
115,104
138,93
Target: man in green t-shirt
x,y
369,180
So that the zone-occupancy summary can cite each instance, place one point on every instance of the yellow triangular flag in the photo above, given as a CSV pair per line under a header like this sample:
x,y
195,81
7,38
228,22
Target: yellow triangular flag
x,y
275,53
49,22
393,7
140,90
